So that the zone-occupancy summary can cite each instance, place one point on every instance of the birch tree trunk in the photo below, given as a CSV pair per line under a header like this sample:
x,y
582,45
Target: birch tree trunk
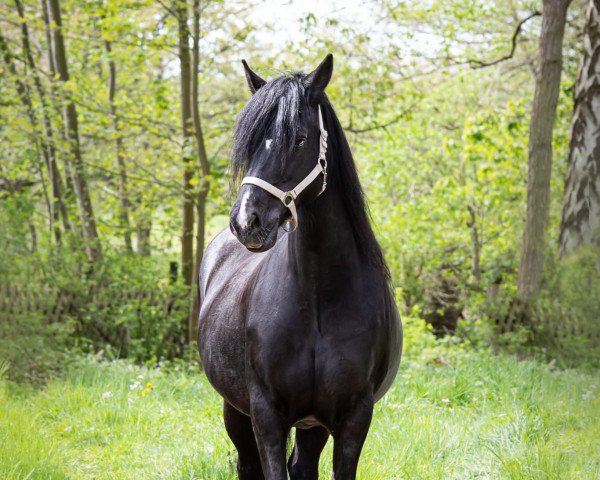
x,y
543,113
75,163
580,223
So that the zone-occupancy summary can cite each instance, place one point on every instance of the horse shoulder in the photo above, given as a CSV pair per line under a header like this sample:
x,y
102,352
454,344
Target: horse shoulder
x,y
219,252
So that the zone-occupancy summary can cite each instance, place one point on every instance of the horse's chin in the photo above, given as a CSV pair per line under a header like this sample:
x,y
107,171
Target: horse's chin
x,y
267,243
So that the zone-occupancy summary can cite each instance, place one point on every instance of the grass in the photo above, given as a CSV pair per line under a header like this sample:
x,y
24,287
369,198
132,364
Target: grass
x,y
479,417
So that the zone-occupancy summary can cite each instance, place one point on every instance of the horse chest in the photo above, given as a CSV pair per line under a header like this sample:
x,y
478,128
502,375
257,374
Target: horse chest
x,y
309,350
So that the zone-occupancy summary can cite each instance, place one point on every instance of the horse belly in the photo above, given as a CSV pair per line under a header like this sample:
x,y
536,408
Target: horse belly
x,y
343,369
283,359
361,360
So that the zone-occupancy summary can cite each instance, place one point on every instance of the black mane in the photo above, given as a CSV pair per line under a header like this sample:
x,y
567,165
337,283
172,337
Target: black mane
x,y
273,112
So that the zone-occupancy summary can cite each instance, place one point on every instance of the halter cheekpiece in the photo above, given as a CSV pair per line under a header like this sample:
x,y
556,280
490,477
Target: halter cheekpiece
x,y
288,198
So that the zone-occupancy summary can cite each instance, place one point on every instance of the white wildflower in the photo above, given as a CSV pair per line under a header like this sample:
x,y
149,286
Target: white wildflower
x,y
588,395
106,395
135,385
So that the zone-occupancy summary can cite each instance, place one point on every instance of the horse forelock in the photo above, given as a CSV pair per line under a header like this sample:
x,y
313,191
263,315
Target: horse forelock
x,y
272,113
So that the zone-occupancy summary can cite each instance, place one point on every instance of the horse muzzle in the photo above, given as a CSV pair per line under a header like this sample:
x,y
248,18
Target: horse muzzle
x,y
254,238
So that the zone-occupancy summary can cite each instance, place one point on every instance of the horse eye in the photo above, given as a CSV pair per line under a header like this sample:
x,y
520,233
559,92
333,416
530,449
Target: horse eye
x,y
299,143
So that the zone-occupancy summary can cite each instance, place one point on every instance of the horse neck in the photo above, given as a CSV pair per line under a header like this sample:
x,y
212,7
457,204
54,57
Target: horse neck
x,y
324,237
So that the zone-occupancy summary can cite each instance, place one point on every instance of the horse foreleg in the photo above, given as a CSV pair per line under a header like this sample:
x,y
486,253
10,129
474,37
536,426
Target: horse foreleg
x,y
239,429
271,435
304,461
349,437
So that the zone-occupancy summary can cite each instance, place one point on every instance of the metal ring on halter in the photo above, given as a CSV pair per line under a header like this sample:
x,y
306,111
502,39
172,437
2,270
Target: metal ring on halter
x,y
287,198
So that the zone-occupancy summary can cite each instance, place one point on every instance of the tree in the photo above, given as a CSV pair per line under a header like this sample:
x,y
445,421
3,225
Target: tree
x,y
580,221
204,185
187,226
75,163
24,95
123,191
543,113
57,206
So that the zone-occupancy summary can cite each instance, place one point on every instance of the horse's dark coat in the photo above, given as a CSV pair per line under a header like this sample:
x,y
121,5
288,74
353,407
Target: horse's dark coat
x,y
299,329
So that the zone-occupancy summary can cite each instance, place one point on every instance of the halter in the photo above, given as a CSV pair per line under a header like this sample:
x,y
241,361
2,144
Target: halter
x,y
287,198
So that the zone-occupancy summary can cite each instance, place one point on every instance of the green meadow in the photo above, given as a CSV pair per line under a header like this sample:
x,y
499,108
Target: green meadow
x,y
473,416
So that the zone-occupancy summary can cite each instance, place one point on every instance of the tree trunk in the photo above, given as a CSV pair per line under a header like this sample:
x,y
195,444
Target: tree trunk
x,y
55,113
52,221
143,230
58,206
475,259
123,193
543,114
204,169
580,223
200,234
187,233
75,163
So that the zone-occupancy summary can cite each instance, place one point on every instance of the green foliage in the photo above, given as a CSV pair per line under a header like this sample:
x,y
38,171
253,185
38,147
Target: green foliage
x,y
441,149
566,314
36,349
136,311
472,416
424,180
128,306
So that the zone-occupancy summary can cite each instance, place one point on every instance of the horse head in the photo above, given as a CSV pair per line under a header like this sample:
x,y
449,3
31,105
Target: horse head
x,y
280,145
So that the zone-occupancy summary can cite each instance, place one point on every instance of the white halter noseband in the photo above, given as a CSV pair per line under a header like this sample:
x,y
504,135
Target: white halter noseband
x,y
287,198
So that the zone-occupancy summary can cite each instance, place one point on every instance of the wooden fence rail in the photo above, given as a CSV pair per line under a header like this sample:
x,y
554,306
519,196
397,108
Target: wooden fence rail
x,y
55,304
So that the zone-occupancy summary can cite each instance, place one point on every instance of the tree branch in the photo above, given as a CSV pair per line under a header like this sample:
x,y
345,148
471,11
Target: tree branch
x,y
168,9
474,63
396,119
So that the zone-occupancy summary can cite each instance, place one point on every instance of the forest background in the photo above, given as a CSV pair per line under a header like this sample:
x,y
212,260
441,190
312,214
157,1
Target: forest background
x,y
475,126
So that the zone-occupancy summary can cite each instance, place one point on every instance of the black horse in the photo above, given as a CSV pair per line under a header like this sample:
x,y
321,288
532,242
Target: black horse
x,y
296,329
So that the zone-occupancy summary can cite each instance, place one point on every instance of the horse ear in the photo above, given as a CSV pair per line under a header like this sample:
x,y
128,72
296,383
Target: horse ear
x,y
254,81
318,80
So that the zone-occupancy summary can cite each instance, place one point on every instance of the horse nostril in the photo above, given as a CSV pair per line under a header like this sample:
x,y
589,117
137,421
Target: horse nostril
x,y
253,222
235,228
